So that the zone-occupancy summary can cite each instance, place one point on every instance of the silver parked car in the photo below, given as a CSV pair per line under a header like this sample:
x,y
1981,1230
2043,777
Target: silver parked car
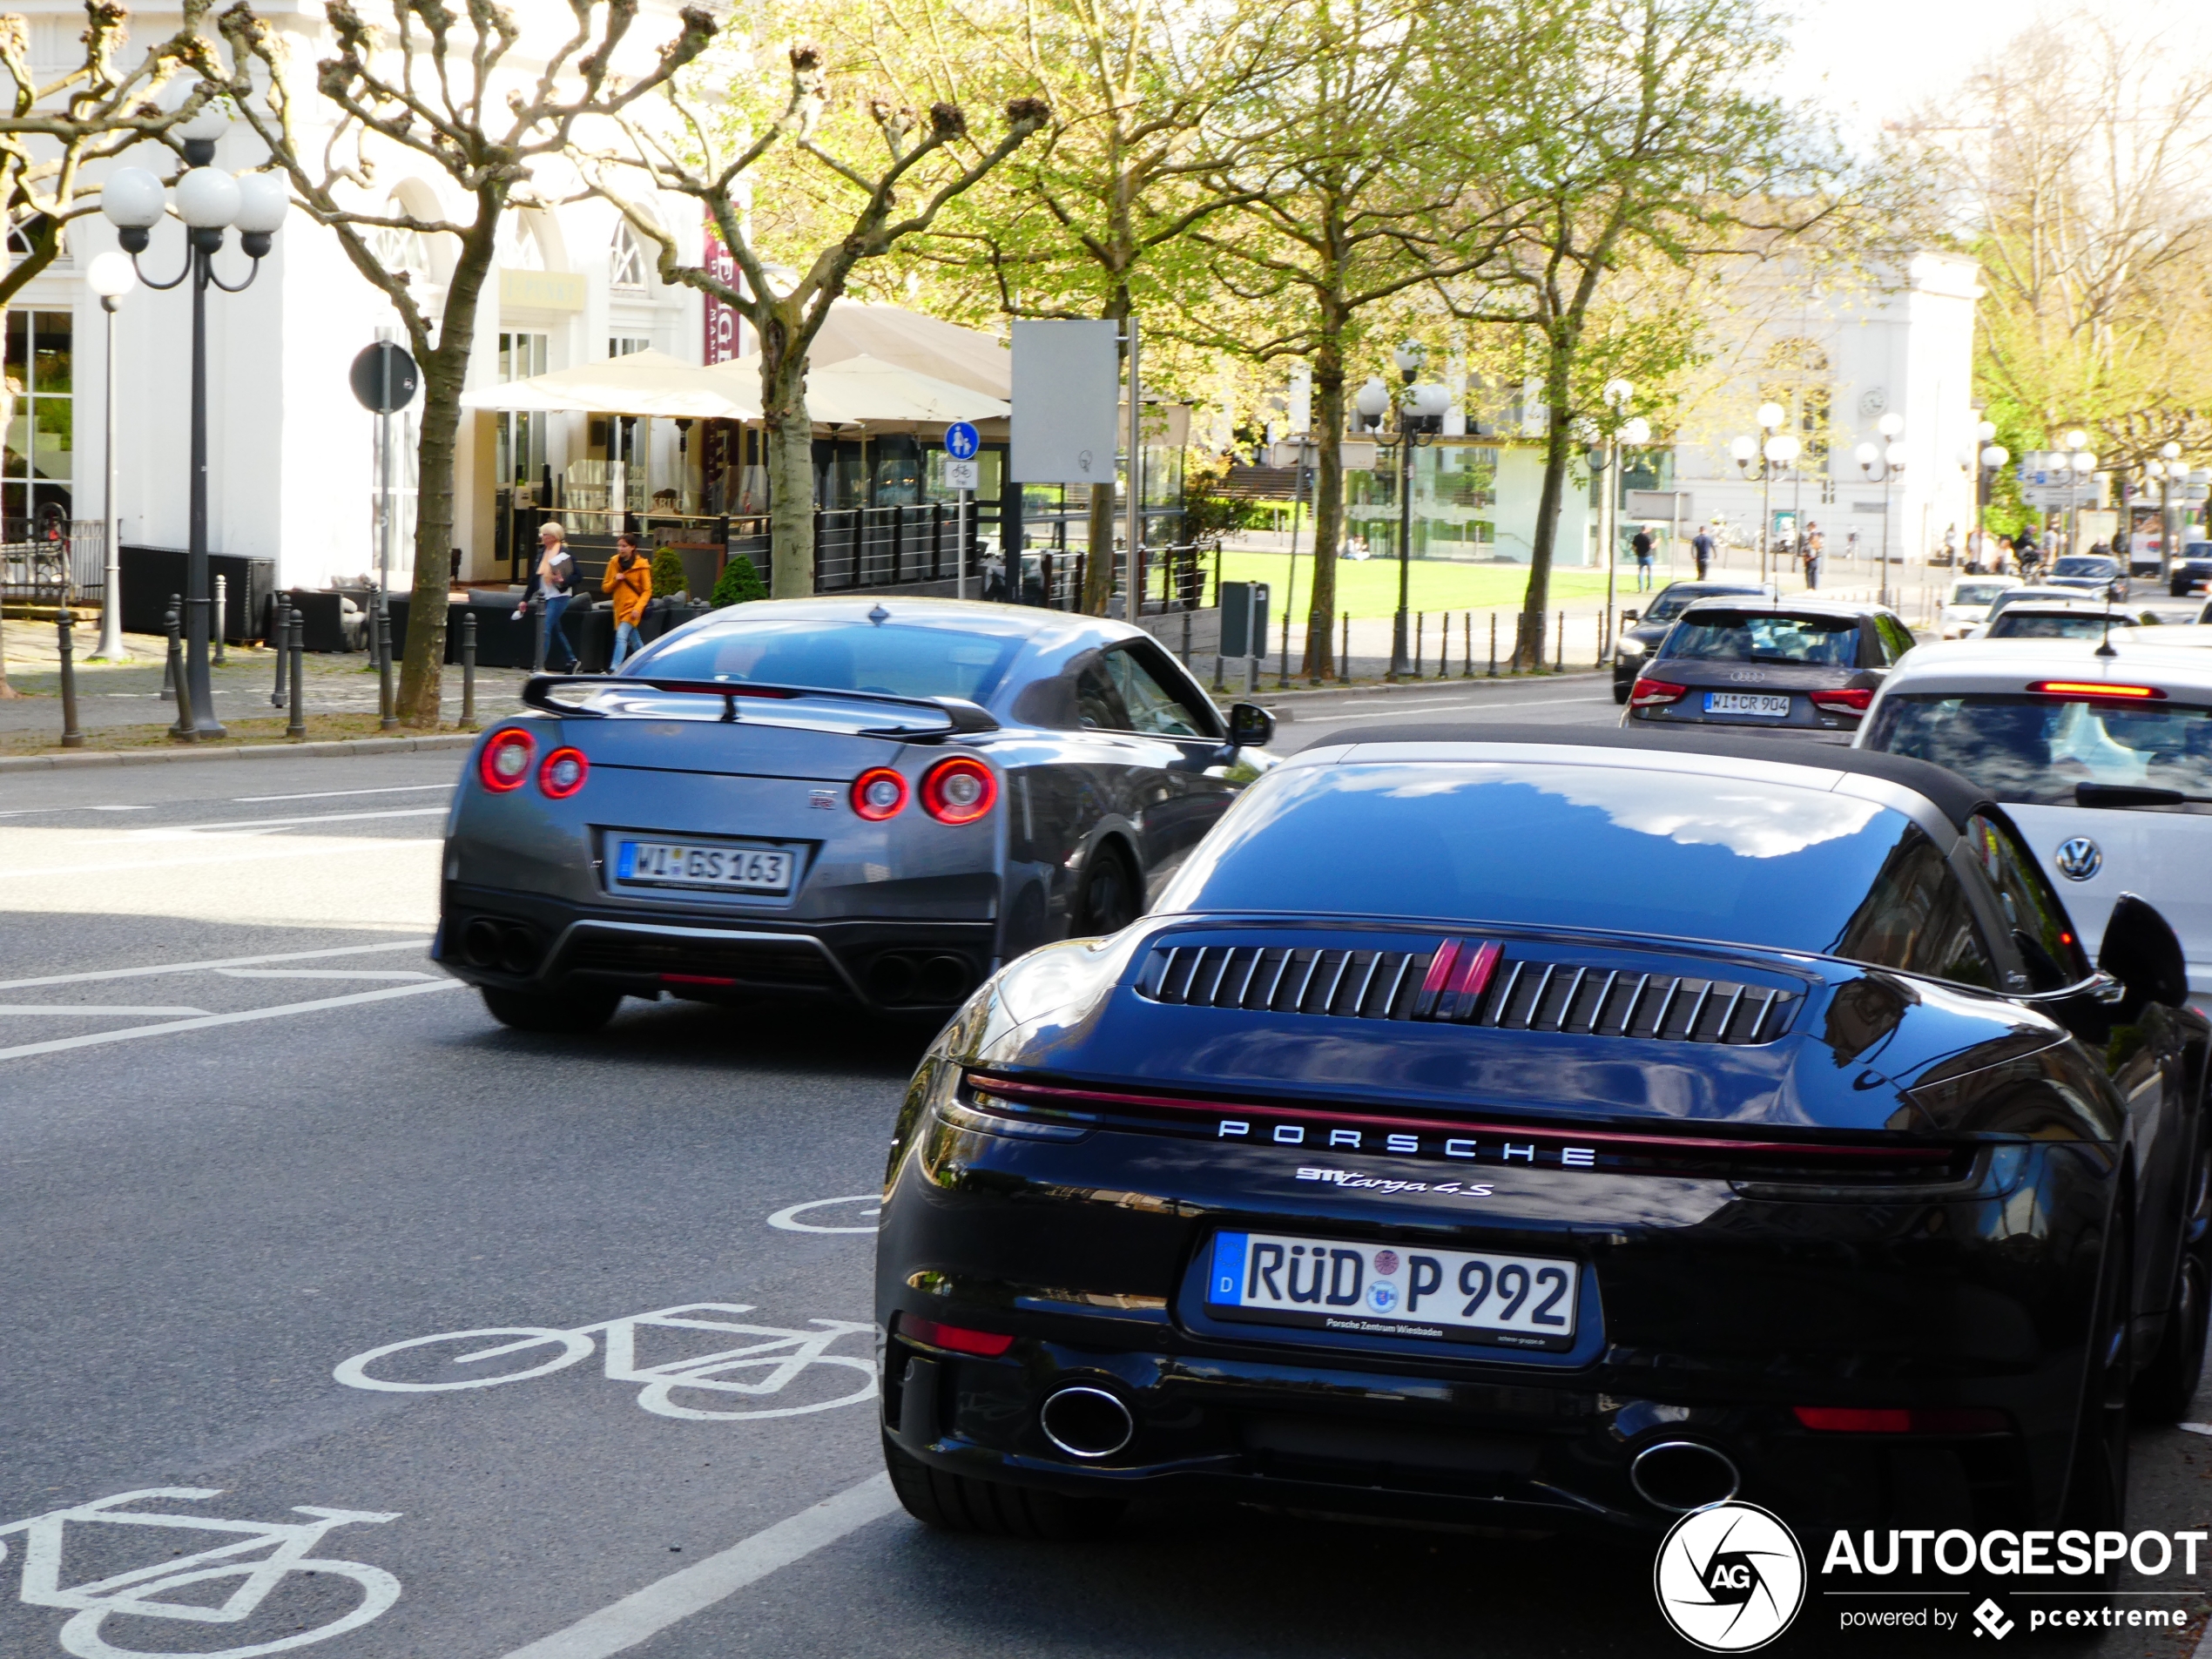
x,y
877,799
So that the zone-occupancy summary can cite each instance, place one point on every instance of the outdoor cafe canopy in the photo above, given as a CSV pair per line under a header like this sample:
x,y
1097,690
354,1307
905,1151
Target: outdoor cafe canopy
x,y
858,391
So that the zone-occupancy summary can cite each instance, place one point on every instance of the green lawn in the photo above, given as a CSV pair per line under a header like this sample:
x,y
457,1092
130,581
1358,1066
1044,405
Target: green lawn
x,y
1369,588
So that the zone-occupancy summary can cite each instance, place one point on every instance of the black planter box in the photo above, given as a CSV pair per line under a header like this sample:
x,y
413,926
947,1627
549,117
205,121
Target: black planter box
x,y
151,574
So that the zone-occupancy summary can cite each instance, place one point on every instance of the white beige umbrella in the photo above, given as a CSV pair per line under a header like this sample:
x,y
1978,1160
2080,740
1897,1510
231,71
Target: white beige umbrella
x,y
867,391
646,382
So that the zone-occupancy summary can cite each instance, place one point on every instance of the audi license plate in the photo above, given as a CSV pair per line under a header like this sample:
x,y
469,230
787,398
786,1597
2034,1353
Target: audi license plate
x,y
1745,703
728,869
1392,1291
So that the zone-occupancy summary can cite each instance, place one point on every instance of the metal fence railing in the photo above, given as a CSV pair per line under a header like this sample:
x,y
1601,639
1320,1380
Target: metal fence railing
x,y
52,561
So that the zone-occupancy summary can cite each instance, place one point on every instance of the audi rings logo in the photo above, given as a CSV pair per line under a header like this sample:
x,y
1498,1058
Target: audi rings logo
x,y
1730,1578
2078,858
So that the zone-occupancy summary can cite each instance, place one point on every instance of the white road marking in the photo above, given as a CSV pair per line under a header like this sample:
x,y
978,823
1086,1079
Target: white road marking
x,y
93,1039
327,794
158,968
2195,1428
669,1600
92,1008
40,812
159,831
323,973
789,1221
1484,707
294,850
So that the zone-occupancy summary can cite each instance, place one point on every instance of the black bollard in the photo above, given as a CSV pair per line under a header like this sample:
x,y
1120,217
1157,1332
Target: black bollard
x,y
468,670
281,637
387,720
184,728
1493,645
1561,667
71,738
172,622
295,644
222,617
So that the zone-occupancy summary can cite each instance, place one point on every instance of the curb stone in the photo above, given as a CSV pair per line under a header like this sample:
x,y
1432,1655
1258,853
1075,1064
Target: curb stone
x,y
70,760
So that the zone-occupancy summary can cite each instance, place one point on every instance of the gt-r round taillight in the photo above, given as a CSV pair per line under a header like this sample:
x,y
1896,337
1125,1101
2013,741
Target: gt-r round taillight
x,y
562,772
959,791
506,761
879,793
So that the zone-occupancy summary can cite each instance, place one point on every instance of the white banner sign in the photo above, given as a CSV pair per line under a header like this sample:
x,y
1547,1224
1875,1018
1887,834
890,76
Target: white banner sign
x,y
1067,385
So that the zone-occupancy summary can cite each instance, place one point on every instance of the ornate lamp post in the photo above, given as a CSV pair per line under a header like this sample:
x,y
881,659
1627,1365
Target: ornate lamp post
x,y
1891,460
1409,357
111,276
208,200
1770,450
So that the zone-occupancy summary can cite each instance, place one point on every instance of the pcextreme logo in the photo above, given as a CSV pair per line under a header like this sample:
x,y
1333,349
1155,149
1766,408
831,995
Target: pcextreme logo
x,y
1730,1578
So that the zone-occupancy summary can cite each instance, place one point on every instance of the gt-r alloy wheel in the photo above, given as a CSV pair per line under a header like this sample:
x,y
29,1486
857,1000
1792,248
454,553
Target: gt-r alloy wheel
x,y
962,1503
535,1011
2169,1384
1107,903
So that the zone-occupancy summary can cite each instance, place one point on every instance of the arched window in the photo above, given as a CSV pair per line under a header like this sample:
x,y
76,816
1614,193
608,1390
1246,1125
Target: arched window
x,y
1794,374
520,247
402,251
626,260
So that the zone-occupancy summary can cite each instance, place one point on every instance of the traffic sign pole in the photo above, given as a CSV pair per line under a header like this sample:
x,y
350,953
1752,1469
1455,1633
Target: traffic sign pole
x,y
961,443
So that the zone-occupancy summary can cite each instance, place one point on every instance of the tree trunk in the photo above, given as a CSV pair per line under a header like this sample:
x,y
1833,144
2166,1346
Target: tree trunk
x,y
1328,504
1528,643
1098,563
790,433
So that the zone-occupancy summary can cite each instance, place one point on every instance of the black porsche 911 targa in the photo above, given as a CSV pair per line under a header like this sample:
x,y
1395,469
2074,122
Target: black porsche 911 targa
x,y
1768,1135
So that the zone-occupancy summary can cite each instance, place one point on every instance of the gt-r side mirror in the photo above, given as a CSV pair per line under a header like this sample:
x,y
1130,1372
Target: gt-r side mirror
x,y
1250,727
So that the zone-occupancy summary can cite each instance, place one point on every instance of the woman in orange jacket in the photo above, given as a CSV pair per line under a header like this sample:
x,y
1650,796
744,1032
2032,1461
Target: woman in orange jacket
x,y
629,579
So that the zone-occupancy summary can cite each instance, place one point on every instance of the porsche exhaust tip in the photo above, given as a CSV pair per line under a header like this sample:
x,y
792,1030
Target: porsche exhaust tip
x,y
1086,1422
1683,1475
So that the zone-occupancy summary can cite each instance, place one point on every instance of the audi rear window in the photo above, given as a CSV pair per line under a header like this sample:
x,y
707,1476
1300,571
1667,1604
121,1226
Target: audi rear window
x,y
1764,636
904,659
2035,751
1680,855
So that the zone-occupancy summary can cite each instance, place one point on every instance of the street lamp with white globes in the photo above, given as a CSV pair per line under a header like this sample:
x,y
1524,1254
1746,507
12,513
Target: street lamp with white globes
x,y
1745,451
209,201
111,276
1420,403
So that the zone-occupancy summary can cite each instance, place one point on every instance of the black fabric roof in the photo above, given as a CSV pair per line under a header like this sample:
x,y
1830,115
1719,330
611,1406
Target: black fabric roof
x,y
1950,795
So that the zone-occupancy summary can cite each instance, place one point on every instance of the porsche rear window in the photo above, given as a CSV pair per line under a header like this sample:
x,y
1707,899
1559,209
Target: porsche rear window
x,y
1765,636
906,660
1681,855
2035,750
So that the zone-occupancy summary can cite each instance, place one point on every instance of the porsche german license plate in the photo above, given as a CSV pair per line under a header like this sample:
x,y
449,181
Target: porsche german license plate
x,y
680,863
1392,1291
1745,703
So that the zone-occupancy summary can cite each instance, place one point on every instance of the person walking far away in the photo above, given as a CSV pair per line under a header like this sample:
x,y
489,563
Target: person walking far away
x,y
555,575
1815,544
629,579
1701,549
1640,545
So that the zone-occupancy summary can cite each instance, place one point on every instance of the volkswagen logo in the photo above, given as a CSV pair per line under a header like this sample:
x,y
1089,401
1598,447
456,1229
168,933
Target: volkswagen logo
x,y
2078,858
1730,1578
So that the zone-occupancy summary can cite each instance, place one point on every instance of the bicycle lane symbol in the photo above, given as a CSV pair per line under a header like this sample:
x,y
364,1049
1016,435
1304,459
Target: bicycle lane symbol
x,y
137,1593
756,1369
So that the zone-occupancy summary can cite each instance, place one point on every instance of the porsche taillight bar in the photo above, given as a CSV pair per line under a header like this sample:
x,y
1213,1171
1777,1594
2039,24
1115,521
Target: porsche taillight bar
x,y
960,715
1626,1143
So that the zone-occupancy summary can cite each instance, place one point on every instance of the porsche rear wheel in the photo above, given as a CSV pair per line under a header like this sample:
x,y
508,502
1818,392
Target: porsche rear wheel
x,y
1108,902
993,1508
535,1011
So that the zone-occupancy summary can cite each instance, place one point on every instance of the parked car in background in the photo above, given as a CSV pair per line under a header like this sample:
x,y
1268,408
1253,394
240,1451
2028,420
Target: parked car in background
x,y
2191,569
2090,572
2056,619
2105,762
878,801
1967,603
1800,664
2026,593
1638,642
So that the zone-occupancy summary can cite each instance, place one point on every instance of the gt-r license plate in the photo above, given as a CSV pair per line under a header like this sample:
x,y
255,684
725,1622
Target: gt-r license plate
x,y
1745,703
1392,1291
680,863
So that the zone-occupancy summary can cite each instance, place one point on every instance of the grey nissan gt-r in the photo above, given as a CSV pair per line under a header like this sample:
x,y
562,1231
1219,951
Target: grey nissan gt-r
x,y
881,800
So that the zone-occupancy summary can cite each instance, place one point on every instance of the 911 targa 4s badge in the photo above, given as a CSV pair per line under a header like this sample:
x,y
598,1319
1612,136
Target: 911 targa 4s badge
x,y
1803,1180
877,800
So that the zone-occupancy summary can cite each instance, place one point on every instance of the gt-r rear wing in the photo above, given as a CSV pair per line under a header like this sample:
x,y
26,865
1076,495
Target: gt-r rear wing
x,y
956,716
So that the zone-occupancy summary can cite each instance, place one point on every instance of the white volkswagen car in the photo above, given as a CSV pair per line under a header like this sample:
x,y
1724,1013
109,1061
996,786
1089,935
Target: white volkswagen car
x,y
2103,759
1967,603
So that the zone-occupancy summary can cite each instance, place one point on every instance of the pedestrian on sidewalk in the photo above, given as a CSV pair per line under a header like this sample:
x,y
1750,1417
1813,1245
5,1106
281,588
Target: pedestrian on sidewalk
x,y
1815,545
1701,549
550,582
629,579
1640,545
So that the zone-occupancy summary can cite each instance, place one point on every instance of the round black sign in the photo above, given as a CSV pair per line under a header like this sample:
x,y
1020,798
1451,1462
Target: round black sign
x,y
384,377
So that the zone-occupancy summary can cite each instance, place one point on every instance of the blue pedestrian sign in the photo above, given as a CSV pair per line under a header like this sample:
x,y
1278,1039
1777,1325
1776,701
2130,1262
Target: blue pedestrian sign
x,y
960,441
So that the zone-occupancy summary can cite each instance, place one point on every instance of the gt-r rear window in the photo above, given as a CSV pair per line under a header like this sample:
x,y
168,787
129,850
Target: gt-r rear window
x,y
1686,856
1764,636
2035,751
904,659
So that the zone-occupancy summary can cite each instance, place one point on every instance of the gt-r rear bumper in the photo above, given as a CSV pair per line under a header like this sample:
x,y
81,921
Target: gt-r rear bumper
x,y
1718,1313
518,940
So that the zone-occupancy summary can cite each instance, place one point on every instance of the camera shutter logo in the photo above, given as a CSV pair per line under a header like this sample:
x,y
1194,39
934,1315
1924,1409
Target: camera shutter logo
x,y
1730,1578
2078,858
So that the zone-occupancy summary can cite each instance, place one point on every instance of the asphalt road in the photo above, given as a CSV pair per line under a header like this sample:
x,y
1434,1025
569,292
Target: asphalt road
x,y
252,1139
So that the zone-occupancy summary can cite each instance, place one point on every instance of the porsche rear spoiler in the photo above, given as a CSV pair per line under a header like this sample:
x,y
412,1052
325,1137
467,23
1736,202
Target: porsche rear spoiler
x,y
959,716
